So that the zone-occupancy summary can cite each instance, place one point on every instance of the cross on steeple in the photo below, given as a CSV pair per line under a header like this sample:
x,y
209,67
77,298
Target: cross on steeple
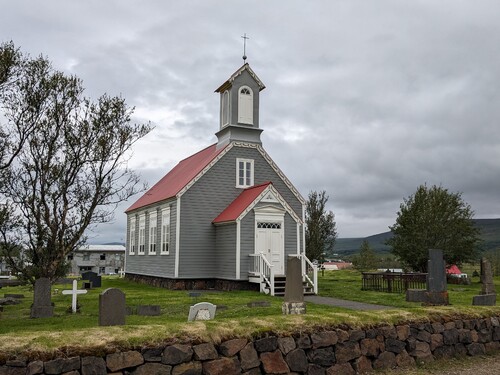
x,y
245,46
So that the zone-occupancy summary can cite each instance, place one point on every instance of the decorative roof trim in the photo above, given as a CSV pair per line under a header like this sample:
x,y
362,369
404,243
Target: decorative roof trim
x,y
246,145
231,79
282,201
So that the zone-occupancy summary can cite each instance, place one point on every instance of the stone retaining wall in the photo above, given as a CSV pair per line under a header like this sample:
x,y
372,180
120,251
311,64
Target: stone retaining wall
x,y
334,351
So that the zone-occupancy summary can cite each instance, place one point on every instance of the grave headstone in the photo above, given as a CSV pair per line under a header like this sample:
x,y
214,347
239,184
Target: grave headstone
x,y
87,284
74,292
202,311
416,295
437,293
112,307
488,296
93,277
294,288
149,310
13,295
42,303
259,304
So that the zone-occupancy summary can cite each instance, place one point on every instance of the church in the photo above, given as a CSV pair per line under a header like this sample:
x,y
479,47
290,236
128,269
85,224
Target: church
x,y
226,217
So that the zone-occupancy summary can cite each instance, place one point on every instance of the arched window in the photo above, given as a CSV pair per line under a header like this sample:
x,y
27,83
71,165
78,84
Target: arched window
x,y
225,108
245,105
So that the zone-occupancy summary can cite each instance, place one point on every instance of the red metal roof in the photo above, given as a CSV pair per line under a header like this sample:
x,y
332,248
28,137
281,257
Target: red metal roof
x,y
247,196
178,177
453,270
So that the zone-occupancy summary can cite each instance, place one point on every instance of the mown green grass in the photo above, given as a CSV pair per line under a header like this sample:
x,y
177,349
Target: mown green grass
x,y
19,333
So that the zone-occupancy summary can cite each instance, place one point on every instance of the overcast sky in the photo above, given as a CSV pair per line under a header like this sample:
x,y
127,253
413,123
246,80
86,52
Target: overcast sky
x,y
364,99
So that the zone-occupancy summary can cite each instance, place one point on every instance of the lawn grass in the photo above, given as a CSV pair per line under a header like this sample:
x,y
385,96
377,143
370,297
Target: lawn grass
x,y
73,332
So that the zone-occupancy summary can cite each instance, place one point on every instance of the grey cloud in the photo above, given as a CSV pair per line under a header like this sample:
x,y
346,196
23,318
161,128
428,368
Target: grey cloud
x,y
364,100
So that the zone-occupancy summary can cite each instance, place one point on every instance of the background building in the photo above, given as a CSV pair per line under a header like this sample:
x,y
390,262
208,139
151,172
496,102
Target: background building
x,y
101,259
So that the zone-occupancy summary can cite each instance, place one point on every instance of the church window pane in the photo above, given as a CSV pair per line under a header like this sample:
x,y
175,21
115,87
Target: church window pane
x,y
131,242
165,231
244,173
152,233
245,106
142,234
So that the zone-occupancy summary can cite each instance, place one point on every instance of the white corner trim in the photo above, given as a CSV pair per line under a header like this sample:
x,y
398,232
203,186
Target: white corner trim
x,y
177,236
298,238
238,248
304,229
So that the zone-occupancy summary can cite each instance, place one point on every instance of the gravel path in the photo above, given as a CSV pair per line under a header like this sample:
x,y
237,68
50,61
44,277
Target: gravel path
x,y
480,365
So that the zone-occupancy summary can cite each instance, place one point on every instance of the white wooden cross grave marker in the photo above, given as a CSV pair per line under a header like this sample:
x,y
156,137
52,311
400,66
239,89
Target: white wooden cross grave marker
x,y
74,293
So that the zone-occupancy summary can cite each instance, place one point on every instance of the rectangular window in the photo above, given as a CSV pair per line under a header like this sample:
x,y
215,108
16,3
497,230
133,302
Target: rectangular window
x,y
142,234
70,256
244,173
152,233
86,257
131,241
103,256
165,231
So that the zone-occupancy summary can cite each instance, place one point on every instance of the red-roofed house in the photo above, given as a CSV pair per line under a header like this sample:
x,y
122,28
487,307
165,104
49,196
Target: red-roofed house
x,y
226,217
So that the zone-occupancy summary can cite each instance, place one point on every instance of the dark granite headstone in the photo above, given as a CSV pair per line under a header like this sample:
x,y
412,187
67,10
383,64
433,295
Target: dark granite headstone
x,y
112,307
416,295
93,277
13,295
488,287
484,300
294,288
259,304
42,303
488,295
436,279
149,310
436,268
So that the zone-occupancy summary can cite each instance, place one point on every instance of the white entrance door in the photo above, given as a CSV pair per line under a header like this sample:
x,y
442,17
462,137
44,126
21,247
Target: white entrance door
x,y
269,241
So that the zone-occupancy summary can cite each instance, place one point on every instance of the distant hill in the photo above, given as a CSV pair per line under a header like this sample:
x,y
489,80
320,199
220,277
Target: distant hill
x,y
490,235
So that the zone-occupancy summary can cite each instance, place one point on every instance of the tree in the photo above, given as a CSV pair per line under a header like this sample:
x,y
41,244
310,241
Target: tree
x,y
366,260
13,66
434,218
320,226
69,168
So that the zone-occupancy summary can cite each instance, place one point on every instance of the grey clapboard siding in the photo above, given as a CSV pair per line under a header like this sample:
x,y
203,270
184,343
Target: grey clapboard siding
x,y
225,244
199,255
153,265
209,196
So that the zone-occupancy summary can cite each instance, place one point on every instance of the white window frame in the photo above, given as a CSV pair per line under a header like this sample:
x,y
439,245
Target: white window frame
x,y
152,233
165,231
142,235
245,106
131,241
225,109
247,168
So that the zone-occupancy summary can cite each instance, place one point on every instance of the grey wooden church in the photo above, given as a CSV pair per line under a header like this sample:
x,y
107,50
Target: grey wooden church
x,y
226,217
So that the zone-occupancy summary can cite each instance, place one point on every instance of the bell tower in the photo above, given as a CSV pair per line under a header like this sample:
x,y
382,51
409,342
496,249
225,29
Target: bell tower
x,y
239,107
